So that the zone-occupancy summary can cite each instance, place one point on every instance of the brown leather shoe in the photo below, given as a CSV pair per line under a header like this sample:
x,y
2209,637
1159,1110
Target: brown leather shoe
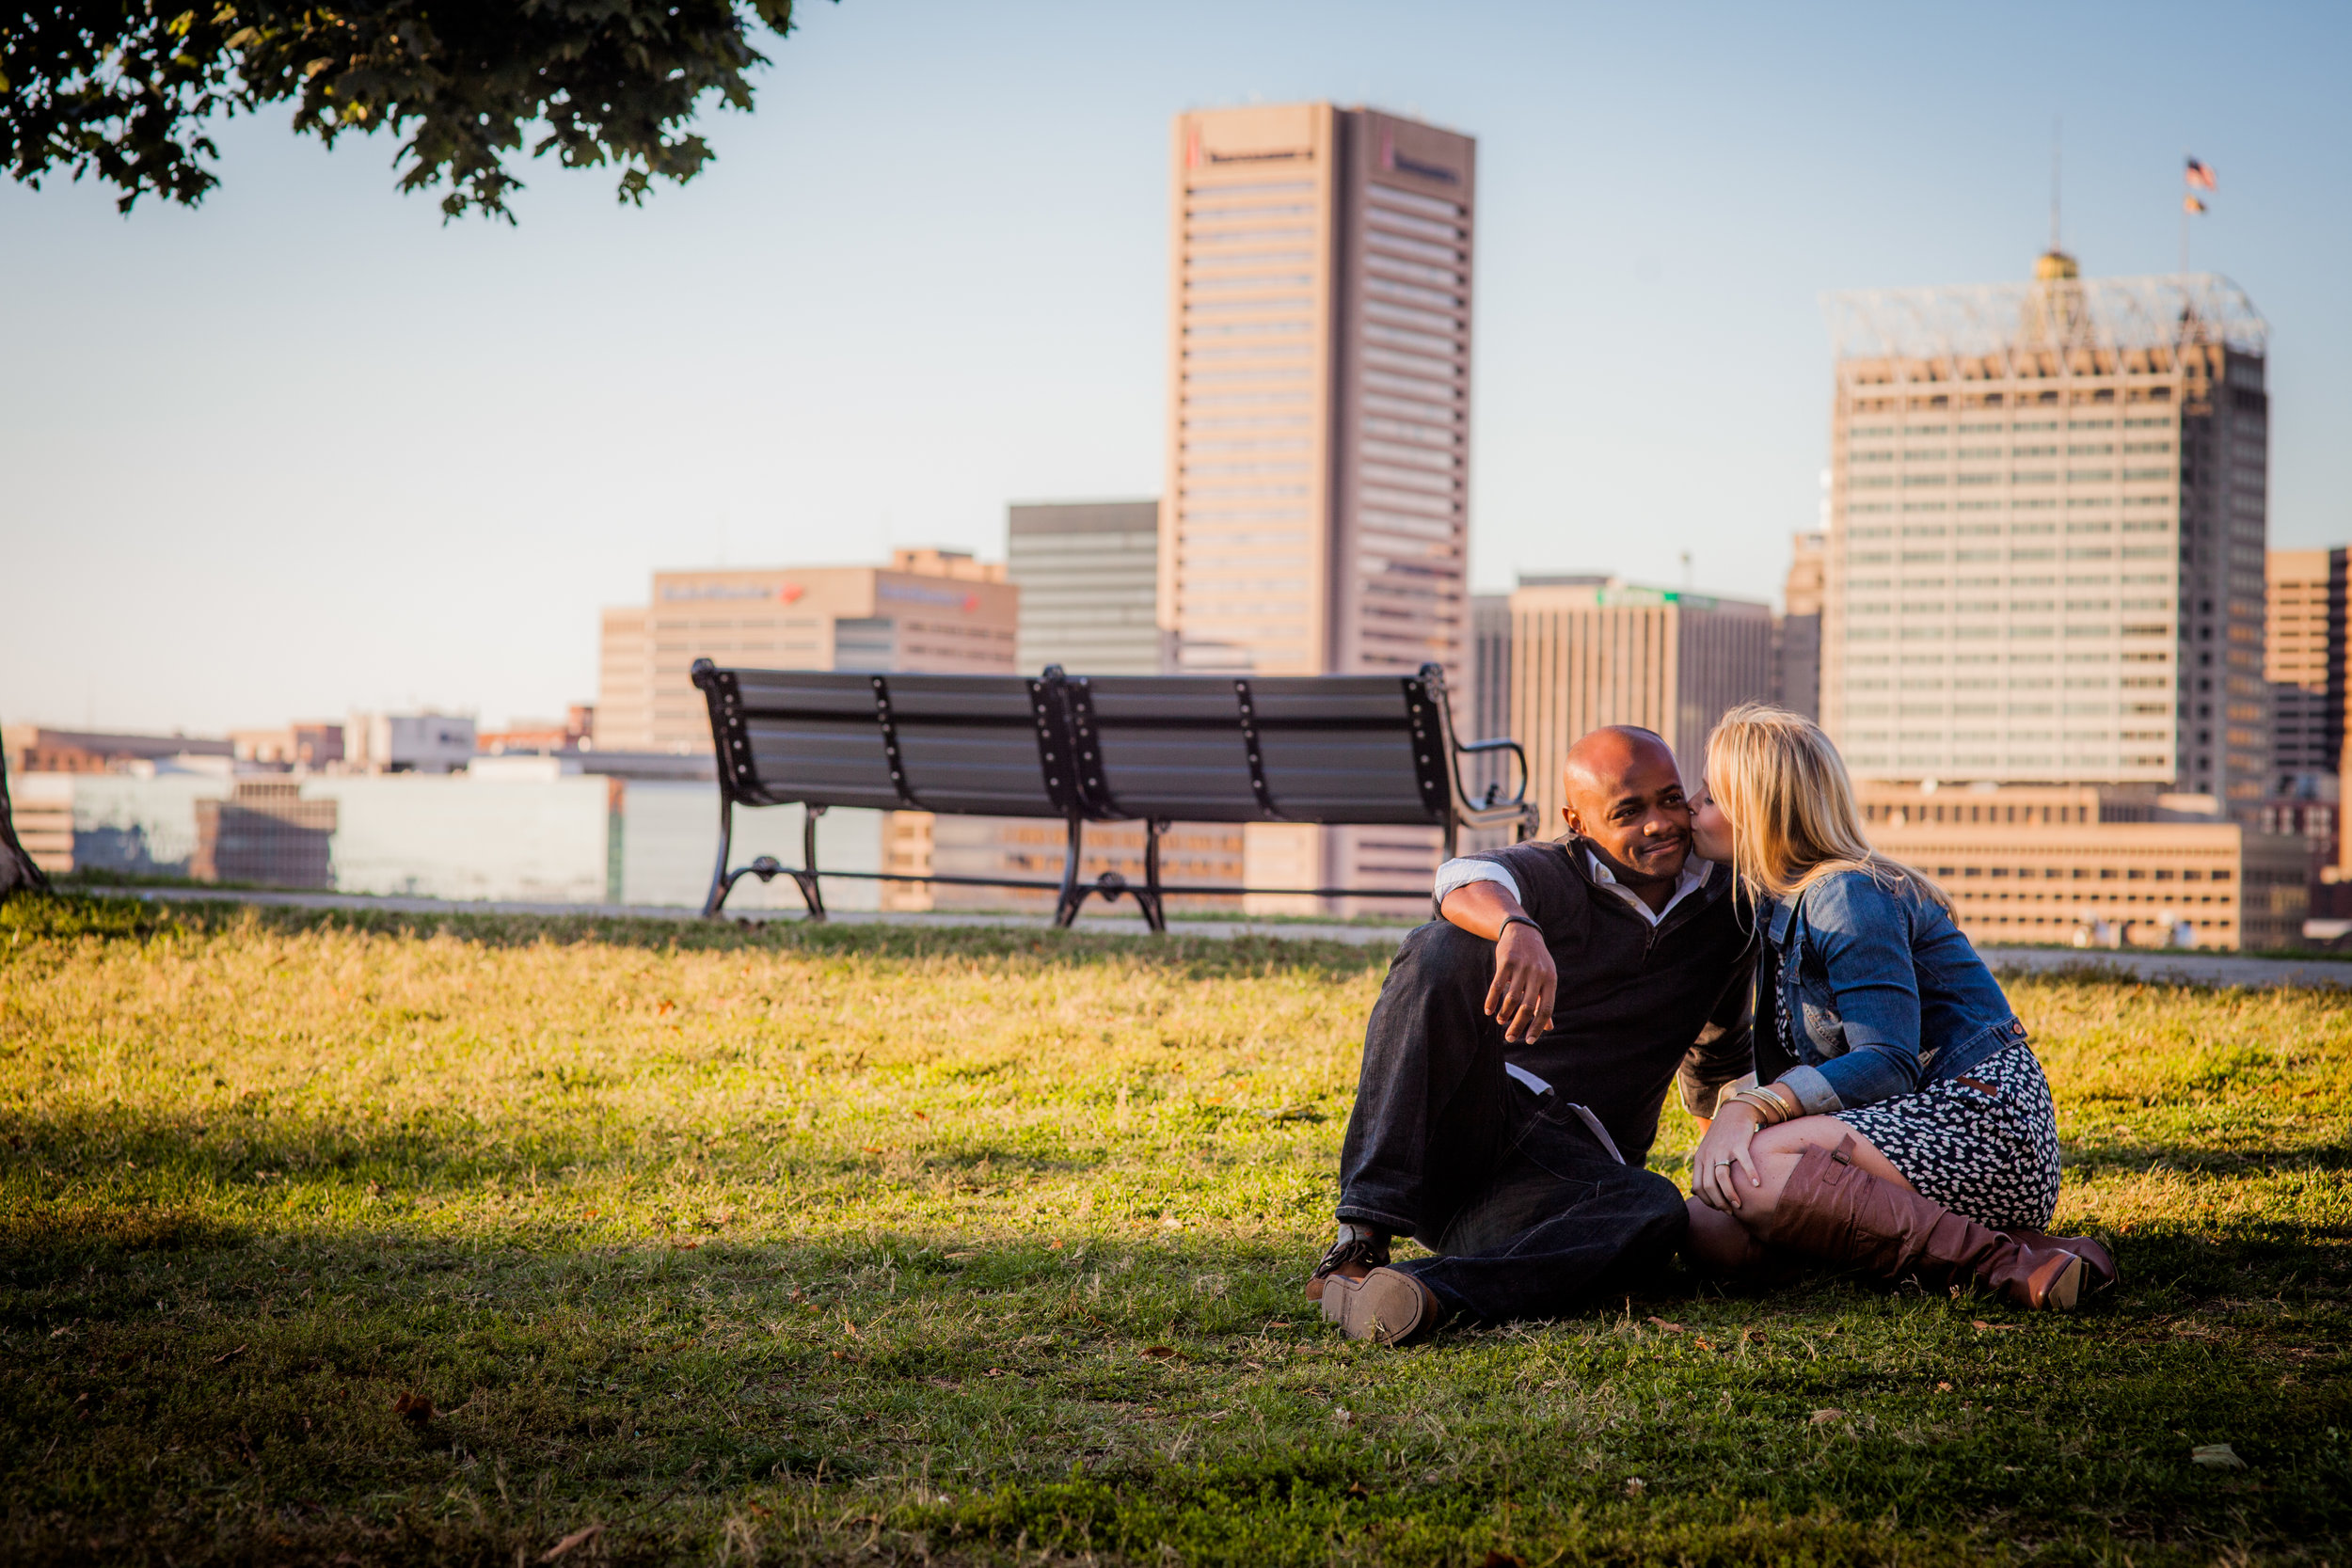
x,y
2098,1262
1388,1306
1350,1257
1833,1211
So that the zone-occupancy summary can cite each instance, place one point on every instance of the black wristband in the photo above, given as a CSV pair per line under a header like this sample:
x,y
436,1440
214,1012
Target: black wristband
x,y
1511,920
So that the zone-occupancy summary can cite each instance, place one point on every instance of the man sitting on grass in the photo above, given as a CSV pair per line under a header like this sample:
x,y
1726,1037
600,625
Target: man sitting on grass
x,y
1516,1062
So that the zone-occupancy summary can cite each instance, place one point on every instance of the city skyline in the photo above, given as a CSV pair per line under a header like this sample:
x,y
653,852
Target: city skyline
x,y
853,333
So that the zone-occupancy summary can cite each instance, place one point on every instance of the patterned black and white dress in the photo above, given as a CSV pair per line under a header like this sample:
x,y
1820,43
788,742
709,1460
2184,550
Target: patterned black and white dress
x,y
1983,1144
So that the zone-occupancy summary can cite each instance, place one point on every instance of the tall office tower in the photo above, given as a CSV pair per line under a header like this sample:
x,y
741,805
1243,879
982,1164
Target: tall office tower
x,y
1089,575
1319,418
1797,631
1592,650
2304,655
2046,533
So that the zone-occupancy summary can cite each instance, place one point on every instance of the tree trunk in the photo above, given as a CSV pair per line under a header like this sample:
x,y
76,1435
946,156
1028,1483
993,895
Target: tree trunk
x,y
17,871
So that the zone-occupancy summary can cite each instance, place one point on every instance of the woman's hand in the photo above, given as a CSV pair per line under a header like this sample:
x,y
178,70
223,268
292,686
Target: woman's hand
x,y
1526,980
1722,1160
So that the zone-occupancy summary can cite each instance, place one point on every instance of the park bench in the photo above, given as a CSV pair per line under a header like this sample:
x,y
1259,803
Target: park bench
x,y
1335,750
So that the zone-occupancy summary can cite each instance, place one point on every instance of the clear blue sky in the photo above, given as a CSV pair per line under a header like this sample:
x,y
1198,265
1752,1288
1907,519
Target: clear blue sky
x,y
305,448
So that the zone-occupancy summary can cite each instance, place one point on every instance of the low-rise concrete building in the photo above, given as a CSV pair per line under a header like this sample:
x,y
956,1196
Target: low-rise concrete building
x,y
426,742
2086,865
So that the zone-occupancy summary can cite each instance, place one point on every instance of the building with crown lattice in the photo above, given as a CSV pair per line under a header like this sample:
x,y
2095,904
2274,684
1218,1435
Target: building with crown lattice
x,y
2046,535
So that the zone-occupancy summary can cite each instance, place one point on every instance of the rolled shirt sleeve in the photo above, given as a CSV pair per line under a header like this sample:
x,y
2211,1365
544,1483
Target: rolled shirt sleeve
x,y
1464,870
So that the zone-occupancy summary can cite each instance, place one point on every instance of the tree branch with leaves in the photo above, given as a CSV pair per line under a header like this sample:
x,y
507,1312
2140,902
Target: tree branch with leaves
x,y
129,92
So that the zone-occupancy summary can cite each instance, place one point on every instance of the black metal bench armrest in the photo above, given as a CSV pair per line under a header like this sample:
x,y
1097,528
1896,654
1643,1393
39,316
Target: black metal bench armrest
x,y
1494,795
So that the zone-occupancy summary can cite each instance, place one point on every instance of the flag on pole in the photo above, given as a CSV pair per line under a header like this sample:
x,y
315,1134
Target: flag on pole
x,y
2190,204
2198,176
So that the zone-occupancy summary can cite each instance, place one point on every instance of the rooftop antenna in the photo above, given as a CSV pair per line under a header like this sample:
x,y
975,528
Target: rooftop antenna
x,y
2058,125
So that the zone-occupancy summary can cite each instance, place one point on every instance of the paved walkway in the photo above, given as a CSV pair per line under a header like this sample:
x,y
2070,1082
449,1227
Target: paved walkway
x,y
2203,968
1094,924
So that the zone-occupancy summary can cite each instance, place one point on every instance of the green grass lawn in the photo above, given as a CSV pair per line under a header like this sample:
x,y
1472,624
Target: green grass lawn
x,y
848,1244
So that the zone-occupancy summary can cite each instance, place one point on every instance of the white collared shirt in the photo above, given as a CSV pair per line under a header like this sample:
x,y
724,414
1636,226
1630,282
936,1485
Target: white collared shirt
x,y
1463,871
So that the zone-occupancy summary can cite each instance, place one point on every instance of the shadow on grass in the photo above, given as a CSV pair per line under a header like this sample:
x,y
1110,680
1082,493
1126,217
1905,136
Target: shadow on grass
x,y
829,1399
2115,1158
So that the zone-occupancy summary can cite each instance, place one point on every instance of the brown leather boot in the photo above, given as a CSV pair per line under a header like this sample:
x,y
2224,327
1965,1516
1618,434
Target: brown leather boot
x,y
1836,1211
2095,1256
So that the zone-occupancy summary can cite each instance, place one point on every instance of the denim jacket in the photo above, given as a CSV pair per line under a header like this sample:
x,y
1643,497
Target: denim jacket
x,y
1884,994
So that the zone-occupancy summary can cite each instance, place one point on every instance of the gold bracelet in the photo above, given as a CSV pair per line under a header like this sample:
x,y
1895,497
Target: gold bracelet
x,y
1770,1108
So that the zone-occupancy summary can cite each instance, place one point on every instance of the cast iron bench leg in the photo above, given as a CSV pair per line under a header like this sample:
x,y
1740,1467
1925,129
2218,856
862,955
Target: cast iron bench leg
x,y
1066,907
720,883
1155,914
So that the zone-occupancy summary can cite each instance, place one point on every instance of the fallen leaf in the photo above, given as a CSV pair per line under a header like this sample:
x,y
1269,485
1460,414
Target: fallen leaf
x,y
1822,1417
1277,1324
1054,1246
922,1116
995,1371
1356,1489
2216,1456
850,1329
416,1409
1942,1387
1671,1328
1503,1560
1159,1352
570,1541
761,1509
873,1148
228,1355
1701,1343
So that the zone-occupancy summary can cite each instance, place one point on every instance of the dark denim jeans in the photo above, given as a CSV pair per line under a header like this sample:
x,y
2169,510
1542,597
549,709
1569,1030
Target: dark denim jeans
x,y
1532,1215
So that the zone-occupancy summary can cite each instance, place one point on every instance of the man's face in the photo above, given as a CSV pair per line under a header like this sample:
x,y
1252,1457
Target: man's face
x,y
1626,798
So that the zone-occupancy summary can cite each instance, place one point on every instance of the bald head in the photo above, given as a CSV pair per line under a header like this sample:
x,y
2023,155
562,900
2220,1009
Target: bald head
x,y
1608,755
1625,797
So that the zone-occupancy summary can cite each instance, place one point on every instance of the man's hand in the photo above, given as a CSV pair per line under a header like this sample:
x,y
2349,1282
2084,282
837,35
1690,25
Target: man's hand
x,y
1526,980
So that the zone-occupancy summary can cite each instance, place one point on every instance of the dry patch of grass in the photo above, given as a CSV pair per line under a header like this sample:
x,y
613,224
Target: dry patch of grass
x,y
452,1240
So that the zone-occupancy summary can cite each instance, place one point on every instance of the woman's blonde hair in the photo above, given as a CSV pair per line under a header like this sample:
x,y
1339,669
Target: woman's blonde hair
x,y
1784,787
